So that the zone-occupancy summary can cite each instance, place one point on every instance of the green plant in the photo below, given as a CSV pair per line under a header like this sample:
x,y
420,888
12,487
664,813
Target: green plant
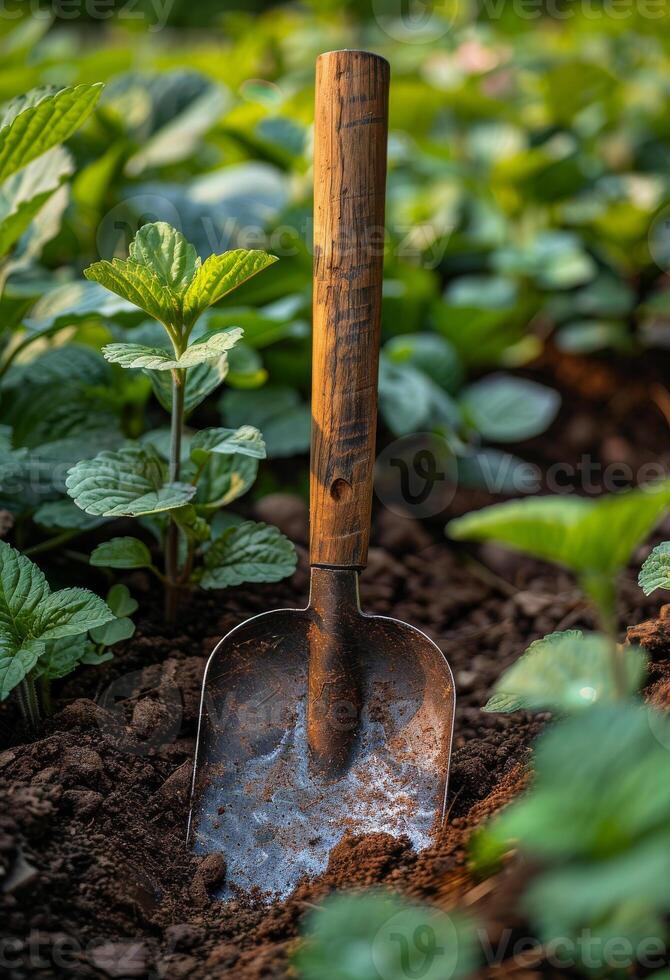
x,y
595,824
165,277
372,935
655,572
593,538
42,633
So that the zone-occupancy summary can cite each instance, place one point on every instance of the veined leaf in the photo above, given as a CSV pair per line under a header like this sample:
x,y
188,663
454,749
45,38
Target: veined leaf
x,y
121,553
508,409
137,284
30,614
564,671
75,301
224,479
61,656
23,195
220,274
195,528
120,600
247,441
29,130
164,250
126,483
248,553
587,536
66,515
207,349
655,573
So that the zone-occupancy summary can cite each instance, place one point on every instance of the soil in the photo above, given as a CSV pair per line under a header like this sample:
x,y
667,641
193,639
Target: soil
x,y
98,879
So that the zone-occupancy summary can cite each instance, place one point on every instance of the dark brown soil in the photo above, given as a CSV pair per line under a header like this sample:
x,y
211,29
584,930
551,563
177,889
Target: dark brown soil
x,y
98,880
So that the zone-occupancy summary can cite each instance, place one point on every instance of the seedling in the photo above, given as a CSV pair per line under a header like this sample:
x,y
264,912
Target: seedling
x,y
42,633
165,277
595,823
593,538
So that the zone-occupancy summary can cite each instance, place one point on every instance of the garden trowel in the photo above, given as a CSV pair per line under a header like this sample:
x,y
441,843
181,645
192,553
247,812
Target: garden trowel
x,y
321,722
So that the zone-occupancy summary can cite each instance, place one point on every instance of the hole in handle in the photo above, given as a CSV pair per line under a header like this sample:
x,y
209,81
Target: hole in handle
x,y
340,489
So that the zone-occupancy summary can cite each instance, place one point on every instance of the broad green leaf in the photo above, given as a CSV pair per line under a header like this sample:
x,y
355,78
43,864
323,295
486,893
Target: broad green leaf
x,y
507,409
120,600
207,349
165,251
29,130
565,671
62,656
75,301
410,401
588,536
69,612
121,553
224,478
66,515
278,412
219,275
249,552
23,195
113,632
247,441
432,354
23,589
16,664
655,573
126,483
138,285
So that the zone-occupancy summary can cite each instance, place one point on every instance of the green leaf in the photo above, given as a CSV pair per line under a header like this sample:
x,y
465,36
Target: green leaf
x,y
62,656
430,353
247,441
224,479
126,483
138,285
209,348
219,275
68,612
41,121
164,250
507,409
120,601
277,412
121,553
249,552
113,632
15,664
588,536
655,573
565,671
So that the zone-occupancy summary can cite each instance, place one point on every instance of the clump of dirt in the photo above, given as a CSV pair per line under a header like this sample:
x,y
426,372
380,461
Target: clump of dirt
x,y
98,879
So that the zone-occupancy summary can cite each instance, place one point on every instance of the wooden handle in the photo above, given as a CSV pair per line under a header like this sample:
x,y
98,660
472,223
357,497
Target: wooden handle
x,y
350,137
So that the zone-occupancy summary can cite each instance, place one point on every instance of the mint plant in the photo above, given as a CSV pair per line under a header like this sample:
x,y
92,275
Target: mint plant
x,y
37,627
595,827
165,278
655,572
593,538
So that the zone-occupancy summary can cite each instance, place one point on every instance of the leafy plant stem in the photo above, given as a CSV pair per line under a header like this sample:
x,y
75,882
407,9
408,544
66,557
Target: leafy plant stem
x,y
28,702
604,594
172,542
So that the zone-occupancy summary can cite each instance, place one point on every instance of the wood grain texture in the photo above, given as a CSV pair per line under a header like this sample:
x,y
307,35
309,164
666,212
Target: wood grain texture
x,y
350,140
